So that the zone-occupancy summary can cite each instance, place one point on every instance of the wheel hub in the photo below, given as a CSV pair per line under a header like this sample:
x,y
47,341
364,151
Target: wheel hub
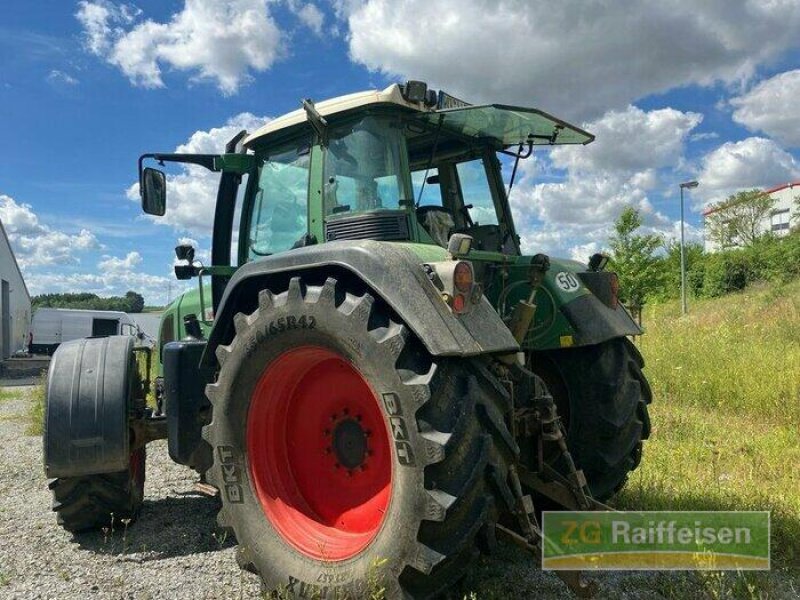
x,y
350,444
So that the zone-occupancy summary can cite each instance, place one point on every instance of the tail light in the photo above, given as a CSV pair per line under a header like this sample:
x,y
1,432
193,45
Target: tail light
x,y
463,277
455,281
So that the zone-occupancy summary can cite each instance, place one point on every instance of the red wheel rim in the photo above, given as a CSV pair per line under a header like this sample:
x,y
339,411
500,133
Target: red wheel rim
x,y
319,453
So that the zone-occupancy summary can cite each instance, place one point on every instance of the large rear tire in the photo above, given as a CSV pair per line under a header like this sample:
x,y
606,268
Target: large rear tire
x,y
96,501
347,459
602,395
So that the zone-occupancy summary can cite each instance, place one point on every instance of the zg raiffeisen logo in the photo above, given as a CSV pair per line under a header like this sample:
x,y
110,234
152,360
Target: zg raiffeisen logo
x,y
656,540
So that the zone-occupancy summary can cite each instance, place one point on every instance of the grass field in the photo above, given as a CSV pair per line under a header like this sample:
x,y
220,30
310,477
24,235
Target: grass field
x,y
726,413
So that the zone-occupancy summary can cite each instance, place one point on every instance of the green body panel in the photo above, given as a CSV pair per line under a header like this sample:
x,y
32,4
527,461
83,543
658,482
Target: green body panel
x,y
506,283
185,304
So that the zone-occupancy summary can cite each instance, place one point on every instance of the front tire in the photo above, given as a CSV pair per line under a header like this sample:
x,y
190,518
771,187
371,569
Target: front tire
x,y
105,500
345,455
602,395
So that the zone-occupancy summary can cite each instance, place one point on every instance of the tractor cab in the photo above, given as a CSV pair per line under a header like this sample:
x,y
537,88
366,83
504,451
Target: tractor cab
x,y
385,166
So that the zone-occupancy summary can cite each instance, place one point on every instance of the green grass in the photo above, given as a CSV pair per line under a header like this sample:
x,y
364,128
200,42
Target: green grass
x,y
726,411
36,408
8,394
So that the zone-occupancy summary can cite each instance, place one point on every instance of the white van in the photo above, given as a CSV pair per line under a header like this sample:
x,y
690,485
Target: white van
x,y
52,326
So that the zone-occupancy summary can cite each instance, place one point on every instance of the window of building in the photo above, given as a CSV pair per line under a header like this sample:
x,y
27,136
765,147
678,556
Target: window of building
x,y
779,221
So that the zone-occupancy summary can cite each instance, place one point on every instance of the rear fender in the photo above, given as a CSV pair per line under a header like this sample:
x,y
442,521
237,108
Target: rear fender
x,y
392,272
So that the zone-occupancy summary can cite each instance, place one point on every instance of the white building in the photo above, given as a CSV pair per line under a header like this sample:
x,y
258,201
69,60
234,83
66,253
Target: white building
x,y
15,301
778,221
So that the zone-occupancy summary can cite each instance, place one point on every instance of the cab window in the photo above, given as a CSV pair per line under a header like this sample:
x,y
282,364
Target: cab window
x,y
279,217
432,192
364,168
476,193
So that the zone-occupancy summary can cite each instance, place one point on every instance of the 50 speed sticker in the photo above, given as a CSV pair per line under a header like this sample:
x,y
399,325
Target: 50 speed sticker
x,y
567,282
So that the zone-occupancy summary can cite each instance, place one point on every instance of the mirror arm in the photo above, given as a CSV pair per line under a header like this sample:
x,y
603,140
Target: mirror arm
x,y
204,160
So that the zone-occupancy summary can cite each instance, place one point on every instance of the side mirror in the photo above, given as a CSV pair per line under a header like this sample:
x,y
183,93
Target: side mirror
x,y
185,252
153,190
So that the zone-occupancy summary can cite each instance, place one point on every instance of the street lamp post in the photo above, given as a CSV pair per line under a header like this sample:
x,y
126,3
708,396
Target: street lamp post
x,y
684,185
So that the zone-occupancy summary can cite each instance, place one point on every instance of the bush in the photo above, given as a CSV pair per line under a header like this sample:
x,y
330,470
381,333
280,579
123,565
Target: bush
x,y
727,272
768,259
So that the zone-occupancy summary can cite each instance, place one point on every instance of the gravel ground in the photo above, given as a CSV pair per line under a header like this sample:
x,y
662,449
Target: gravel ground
x,y
175,551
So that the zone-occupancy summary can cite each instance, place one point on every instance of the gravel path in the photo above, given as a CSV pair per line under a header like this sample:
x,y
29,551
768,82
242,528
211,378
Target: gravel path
x,y
175,551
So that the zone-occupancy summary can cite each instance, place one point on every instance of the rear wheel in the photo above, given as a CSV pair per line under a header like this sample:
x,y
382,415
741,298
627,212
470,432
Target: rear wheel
x,y
346,457
96,501
602,396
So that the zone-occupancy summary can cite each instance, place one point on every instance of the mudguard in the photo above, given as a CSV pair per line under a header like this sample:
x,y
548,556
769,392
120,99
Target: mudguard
x,y
391,271
86,407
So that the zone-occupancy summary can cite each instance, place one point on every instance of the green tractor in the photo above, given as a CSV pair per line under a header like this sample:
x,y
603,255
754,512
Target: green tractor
x,y
377,382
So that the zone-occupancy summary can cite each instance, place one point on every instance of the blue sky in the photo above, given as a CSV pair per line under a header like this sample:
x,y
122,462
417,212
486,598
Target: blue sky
x,y
674,92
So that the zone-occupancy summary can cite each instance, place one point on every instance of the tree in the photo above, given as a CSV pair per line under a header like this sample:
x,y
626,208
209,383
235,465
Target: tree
x,y
633,258
737,221
135,302
130,302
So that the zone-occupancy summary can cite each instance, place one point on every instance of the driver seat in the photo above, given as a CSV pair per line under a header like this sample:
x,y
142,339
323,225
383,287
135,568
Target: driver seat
x,y
438,222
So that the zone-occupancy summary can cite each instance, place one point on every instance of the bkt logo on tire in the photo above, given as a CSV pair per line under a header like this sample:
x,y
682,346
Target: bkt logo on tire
x,y
231,474
399,430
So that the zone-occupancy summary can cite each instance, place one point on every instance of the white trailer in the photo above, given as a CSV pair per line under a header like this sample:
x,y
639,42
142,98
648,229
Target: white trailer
x,y
52,326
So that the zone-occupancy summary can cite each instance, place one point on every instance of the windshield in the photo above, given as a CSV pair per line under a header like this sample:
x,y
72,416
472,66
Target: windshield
x,y
363,167
279,217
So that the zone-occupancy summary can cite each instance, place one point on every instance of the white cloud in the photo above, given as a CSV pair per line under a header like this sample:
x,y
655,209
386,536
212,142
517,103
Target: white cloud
x,y
192,193
221,41
116,265
754,162
618,170
56,77
309,14
51,259
152,287
577,57
35,243
630,140
623,167
772,107
100,20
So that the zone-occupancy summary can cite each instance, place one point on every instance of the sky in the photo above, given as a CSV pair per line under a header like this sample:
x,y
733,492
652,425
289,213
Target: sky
x,y
673,90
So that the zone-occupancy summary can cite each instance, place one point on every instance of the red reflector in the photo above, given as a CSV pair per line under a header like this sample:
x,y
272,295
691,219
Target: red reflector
x,y
614,290
458,303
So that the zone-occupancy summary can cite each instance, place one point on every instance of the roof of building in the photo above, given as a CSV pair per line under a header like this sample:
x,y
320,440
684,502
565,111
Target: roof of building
x,y
778,188
712,209
13,256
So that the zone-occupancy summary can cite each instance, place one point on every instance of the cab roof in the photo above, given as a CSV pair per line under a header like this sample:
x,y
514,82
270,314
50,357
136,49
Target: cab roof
x,y
340,104
505,125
